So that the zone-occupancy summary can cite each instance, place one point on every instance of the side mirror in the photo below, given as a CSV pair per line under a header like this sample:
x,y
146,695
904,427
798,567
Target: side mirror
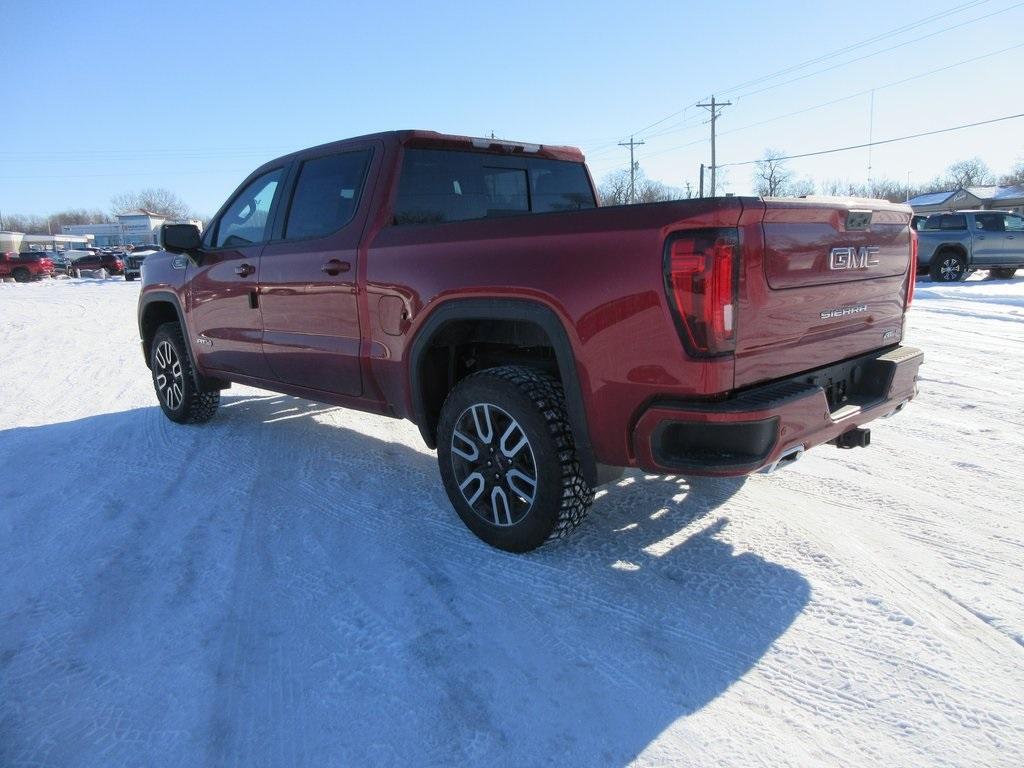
x,y
181,238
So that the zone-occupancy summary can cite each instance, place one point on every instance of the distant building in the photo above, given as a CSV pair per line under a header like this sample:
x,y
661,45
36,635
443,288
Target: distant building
x,y
971,198
17,242
131,228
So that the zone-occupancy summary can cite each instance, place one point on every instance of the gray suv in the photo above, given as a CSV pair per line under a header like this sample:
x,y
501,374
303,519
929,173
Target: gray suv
x,y
952,245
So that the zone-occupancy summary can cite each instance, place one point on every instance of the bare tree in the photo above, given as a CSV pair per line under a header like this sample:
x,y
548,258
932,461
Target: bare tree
x,y
614,189
156,200
1015,177
44,225
968,173
771,176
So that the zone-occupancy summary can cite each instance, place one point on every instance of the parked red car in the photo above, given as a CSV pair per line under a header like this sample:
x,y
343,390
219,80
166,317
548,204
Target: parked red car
x,y
24,267
108,261
540,343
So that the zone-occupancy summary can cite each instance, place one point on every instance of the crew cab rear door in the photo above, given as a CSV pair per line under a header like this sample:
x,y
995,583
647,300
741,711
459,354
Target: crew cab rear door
x,y
308,284
824,279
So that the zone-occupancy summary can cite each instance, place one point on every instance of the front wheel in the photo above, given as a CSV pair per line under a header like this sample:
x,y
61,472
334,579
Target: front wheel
x,y
948,267
174,379
508,458
21,275
128,278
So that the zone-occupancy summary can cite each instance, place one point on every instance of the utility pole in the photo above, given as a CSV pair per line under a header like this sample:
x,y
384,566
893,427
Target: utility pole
x,y
702,180
632,167
714,108
871,138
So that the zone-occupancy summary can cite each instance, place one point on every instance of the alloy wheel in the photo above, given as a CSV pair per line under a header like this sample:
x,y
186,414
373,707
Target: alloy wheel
x,y
167,375
494,464
950,269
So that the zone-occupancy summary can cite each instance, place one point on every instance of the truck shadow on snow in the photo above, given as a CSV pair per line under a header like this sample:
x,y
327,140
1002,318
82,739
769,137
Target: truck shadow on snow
x,y
274,588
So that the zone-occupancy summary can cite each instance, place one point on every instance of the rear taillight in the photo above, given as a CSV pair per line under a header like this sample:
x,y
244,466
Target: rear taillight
x,y
912,274
702,281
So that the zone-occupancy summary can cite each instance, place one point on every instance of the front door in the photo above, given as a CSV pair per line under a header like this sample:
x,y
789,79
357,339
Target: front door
x,y
308,293
224,306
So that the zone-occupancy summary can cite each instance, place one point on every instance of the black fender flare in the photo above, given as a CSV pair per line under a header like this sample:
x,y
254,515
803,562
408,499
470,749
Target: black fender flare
x,y
506,309
169,297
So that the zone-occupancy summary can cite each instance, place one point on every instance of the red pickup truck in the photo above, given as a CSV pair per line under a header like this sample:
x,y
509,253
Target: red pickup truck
x,y
24,267
541,343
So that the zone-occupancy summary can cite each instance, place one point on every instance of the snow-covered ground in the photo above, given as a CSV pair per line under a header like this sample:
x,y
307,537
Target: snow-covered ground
x,y
288,585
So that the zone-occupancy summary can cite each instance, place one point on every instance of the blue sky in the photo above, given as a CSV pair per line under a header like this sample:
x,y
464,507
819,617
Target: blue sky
x,y
191,96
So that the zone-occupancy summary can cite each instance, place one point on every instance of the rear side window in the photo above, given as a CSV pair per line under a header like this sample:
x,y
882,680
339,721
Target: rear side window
x,y
989,222
1014,223
439,186
947,221
326,194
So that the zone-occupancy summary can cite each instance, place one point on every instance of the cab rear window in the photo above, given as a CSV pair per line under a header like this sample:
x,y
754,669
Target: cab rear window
x,y
439,186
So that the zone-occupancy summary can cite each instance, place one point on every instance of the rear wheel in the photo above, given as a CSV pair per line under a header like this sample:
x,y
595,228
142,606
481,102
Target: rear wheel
x,y
21,275
1002,273
508,459
128,278
948,267
174,379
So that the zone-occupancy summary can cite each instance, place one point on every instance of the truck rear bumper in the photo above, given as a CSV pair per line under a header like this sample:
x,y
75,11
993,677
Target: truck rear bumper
x,y
759,427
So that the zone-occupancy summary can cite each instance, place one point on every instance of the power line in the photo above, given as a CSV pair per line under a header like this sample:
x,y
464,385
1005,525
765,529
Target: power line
x,y
831,102
855,46
884,141
899,30
876,53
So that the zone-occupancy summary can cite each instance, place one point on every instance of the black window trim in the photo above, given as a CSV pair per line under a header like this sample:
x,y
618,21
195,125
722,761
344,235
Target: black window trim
x,y
295,172
271,214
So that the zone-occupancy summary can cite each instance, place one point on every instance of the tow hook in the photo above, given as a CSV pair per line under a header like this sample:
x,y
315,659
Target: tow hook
x,y
858,437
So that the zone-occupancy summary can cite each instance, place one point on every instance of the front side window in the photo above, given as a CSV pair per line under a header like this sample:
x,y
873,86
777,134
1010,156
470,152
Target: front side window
x,y
326,194
439,186
245,222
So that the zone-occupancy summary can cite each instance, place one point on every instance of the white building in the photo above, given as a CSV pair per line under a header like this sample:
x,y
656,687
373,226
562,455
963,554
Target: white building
x,y
17,242
131,228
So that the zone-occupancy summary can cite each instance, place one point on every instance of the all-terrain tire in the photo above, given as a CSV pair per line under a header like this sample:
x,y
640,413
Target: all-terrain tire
x,y
948,267
174,379
21,275
519,403
129,278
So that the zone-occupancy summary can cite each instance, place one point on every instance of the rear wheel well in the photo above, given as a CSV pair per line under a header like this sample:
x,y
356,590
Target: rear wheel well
x,y
955,250
462,347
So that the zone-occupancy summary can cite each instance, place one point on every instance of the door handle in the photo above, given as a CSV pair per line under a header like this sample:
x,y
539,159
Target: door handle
x,y
1010,237
335,267
244,270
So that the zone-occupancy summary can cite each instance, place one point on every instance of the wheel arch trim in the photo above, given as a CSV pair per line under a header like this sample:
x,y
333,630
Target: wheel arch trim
x,y
169,297
524,310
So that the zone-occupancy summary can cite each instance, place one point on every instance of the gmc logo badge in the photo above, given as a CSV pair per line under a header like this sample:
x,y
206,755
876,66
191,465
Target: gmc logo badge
x,y
853,258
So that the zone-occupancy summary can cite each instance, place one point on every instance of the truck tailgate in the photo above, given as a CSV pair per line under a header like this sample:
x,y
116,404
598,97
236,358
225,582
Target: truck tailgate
x,y
824,279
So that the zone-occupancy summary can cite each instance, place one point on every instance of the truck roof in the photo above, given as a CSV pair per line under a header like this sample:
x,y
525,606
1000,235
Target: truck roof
x,y
434,140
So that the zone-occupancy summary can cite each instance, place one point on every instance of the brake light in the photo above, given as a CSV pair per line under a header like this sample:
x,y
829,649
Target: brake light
x,y
702,281
912,274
